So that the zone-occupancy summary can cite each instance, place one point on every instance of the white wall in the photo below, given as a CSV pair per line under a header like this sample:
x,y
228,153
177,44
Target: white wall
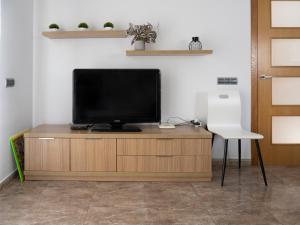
x,y
16,53
222,25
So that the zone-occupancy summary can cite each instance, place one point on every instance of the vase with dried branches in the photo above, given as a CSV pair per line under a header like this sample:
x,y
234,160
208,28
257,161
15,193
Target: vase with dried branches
x,y
141,34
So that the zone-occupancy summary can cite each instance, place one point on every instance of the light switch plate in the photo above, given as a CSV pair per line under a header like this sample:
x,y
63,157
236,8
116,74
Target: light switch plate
x,y
227,80
10,82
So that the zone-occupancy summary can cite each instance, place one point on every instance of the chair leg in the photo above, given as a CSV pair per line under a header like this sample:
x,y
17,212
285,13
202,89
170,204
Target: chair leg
x,y
240,147
224,161
261,162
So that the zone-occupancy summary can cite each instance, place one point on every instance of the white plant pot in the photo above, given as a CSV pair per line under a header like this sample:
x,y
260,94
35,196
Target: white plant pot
x,y
108,28
53,30
82,29
139,45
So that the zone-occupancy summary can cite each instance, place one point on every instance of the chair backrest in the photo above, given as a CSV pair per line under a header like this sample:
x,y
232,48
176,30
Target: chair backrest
x,y
224,109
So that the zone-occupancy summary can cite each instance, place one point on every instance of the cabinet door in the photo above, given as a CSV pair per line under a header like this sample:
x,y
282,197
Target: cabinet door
x,y
162,164
165,164
93,155
47,154
159,146
164,146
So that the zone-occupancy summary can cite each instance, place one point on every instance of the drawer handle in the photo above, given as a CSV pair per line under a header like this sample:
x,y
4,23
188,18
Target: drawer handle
x,y
165,139
164,156
46,138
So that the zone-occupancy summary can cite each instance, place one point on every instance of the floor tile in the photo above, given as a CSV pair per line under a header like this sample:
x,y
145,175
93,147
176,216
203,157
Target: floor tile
x,y
116,215
244,200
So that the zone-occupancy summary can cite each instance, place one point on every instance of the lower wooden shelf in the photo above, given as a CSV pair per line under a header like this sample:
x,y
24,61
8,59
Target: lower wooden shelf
x,y
168,52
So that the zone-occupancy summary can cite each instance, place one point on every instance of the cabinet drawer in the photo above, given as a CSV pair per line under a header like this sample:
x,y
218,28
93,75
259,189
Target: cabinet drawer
x,y
93,155
164,147
47,154
164,163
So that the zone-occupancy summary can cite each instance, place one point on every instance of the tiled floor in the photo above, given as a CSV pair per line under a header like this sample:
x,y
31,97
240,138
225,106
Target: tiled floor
x,y
243,200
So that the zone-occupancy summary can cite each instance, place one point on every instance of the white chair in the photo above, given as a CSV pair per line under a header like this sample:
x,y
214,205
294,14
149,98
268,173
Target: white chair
x,y
224,119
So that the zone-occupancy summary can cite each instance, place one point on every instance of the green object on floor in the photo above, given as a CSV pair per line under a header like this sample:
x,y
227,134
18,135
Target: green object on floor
x,y
17,147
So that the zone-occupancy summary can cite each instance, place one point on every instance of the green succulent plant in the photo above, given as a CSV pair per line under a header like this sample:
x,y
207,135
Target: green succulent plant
x,y
53,26
109,24
83,25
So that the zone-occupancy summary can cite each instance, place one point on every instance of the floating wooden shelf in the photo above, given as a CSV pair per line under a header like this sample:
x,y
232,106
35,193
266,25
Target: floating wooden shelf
x,y
168,52
86,34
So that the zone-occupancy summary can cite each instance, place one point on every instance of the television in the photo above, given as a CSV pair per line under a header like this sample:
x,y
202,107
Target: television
x,y
111,98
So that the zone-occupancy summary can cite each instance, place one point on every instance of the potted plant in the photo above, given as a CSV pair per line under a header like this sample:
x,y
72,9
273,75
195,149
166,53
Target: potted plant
x,y
108,26
83,26
141,34
53,27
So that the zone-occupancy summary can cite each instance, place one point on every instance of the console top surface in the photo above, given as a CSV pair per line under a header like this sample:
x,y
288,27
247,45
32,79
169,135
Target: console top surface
x,y
148,131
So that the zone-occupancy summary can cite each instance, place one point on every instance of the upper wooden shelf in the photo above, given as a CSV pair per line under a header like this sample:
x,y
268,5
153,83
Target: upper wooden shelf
x,y
86,34
168,52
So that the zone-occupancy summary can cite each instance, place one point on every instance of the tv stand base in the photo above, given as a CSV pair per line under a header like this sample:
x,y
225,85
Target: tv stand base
x,y
55,152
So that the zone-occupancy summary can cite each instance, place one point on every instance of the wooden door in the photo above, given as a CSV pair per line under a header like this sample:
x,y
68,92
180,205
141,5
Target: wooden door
x,y
278,81
93,155
47,154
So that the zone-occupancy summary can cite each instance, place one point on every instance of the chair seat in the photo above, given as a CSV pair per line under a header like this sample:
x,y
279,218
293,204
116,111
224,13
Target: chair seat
x,y
234,132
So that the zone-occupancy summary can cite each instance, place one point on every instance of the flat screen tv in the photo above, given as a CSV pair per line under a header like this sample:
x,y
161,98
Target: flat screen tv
x,y
111,98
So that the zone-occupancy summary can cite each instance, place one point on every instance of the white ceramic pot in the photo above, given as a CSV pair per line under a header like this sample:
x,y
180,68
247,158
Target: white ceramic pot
x,y
82,28
139,45
108,28
53,29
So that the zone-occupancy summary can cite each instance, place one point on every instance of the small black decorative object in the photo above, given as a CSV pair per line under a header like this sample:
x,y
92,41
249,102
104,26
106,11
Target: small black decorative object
x,y
195,44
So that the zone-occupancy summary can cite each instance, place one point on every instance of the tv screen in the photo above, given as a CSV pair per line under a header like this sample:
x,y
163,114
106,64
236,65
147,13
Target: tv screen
x,y
116,96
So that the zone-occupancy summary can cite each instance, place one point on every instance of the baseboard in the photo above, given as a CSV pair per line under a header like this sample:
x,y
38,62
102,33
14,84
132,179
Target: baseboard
x,y
119,176
215,163
231,162
7,179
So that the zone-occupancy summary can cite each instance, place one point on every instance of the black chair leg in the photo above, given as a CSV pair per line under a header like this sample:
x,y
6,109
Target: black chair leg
x,y
224,161
261,162
240,152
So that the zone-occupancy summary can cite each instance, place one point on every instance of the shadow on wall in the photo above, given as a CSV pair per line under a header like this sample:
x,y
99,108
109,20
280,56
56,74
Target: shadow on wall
x,y
201,106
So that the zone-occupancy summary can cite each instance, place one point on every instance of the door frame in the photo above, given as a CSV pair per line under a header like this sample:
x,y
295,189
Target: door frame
x,y
254,75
